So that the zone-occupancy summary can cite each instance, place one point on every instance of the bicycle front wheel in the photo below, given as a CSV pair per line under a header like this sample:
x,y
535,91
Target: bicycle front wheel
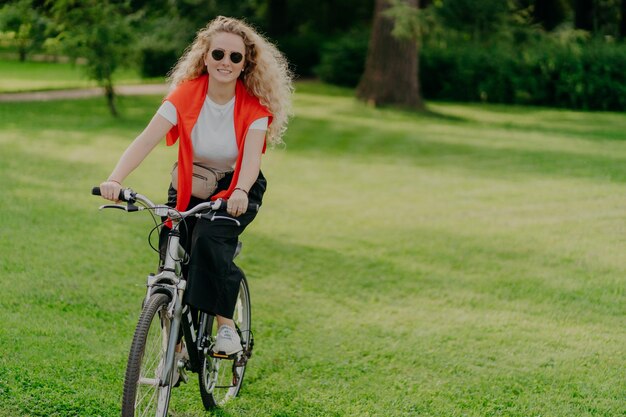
x,y
221,379
145,392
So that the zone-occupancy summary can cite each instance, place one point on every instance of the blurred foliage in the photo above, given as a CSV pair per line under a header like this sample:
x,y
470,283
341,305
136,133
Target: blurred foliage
x,y
23,26
99,32
477,19
600,17
343,58
156,60
516,61
298,27
547,13
555,52
530,52
585,77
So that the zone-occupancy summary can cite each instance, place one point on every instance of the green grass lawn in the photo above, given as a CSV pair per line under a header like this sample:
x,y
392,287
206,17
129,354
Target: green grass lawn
x,y
40,76
464,262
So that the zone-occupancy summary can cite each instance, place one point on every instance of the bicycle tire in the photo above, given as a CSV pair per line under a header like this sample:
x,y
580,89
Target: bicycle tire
x,y
217,376
143,393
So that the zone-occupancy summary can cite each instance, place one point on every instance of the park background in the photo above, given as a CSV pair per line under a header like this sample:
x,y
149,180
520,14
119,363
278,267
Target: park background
x,y
460,255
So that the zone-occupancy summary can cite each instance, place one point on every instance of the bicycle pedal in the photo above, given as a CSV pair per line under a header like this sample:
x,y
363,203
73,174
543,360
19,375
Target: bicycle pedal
x,y
222,355
182,374
184,377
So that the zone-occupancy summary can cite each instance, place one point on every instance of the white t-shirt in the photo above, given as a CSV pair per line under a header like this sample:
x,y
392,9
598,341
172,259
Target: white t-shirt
x,y
213,136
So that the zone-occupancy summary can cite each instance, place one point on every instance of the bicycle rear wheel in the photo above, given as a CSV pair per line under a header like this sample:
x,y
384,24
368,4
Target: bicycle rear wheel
x,y
221,379
145,394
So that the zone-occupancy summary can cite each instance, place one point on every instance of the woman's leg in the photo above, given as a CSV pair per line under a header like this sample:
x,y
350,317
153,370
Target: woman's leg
x,y
223,321
214,279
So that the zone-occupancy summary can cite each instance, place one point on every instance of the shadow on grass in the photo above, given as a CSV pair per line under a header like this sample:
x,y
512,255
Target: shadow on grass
x,y
339,127
329,137
453,268
428,113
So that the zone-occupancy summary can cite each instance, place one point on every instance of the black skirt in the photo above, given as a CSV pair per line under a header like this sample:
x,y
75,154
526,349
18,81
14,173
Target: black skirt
x,y
212,277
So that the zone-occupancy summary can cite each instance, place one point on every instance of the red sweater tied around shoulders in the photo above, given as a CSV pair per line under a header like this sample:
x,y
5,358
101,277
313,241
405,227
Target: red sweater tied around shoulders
x,y
188,99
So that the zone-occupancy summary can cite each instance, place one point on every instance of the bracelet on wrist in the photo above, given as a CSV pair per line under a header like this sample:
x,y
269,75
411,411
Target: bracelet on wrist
x,y
241,189
115,181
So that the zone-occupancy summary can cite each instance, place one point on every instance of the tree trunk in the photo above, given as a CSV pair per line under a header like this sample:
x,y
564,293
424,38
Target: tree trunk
x,y
109,93
391,67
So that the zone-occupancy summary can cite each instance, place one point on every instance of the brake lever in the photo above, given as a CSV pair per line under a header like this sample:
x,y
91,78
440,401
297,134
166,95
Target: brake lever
x,y
213,217
226,218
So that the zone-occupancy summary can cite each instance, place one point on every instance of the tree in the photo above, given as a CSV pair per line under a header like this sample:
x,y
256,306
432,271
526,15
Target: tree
x,y
24,25
100,32
391,66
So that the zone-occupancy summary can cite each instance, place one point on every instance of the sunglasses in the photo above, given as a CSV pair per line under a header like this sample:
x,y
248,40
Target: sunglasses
x,y
218,55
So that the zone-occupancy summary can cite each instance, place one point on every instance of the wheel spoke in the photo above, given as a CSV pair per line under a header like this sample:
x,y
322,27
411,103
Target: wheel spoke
x,y
146,411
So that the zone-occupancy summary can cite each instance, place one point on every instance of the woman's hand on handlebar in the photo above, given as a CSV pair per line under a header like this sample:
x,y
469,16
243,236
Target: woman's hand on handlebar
x,y
237,203
110,190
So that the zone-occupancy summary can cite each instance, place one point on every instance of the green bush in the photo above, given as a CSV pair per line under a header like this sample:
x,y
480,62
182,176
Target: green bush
x,y
302,51
156,61
605,78
469,74
343,59
581,76
561,70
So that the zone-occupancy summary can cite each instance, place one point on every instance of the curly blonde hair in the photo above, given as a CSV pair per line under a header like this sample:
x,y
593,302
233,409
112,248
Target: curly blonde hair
x,y
266,74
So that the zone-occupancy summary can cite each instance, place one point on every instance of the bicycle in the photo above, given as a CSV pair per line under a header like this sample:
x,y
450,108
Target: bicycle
x,y
156,347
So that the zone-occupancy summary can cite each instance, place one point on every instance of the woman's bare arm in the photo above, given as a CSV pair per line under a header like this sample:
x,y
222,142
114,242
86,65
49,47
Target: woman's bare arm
x,y
134,155
250,167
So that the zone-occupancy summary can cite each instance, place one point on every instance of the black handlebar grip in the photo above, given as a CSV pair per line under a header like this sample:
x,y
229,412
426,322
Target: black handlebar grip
x,y
96,191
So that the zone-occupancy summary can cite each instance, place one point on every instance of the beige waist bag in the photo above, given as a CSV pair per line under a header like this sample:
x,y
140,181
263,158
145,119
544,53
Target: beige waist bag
x,y
203,181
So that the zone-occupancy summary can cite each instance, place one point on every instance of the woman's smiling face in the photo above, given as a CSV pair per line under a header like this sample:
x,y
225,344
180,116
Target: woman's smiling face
x,y
224,70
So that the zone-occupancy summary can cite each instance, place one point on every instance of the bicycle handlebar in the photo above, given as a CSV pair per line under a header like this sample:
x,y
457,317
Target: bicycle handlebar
x,y
129,196
96,191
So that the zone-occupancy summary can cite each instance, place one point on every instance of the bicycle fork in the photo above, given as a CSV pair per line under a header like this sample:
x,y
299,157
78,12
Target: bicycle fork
x,y
170,272
173,336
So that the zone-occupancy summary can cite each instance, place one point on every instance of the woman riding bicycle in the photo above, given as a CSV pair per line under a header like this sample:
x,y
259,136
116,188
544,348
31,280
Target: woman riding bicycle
x,y
230,93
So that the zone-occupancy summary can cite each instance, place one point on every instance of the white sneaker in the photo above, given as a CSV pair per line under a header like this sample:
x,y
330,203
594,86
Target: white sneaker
x,y
228,341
